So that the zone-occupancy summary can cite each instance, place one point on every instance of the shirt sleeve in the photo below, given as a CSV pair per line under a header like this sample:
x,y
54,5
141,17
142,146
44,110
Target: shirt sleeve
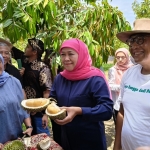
x,y
17,53
104,107
111,81
53,90
45,78
20,97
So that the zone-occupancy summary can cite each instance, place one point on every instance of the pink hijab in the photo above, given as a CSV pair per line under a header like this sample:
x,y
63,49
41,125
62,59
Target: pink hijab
x,y
83,69
120,69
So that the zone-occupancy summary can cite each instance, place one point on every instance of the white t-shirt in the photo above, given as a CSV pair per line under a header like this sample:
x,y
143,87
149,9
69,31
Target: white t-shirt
x,y
135,97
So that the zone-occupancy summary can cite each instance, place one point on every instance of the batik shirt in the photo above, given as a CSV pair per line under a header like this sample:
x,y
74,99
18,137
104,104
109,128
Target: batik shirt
x,y
36,78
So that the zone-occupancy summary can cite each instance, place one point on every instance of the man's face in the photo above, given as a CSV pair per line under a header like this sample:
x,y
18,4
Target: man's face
x,y
139,46
5,52
29,51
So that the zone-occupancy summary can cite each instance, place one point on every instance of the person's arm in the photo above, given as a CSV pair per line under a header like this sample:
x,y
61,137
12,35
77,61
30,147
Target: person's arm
x,y
119,123
120,117
45,81
25,97
46,85
17,53
1,146
111,80
28,125
101,111
46,93
45,117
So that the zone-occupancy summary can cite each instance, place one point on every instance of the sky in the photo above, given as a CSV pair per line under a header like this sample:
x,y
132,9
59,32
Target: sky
x,y
125,6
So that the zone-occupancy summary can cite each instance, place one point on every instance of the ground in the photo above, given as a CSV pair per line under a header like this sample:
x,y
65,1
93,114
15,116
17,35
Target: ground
x,y
110,132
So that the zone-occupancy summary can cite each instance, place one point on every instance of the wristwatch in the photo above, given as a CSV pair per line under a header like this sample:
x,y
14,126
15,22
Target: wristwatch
x,y
29,127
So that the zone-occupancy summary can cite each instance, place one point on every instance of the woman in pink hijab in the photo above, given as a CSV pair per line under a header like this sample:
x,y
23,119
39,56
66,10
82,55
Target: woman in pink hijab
x,y
115,74
82,90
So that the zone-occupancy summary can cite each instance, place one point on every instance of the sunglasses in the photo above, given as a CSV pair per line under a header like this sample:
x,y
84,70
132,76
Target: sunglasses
x,y
139,39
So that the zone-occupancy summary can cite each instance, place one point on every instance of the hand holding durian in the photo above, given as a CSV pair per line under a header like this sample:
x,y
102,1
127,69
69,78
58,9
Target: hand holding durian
x,y
39,104
72,112
54,112
53,108
1,146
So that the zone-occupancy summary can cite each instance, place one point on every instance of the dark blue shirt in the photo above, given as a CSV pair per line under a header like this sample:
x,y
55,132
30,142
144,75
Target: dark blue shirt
x,y
86,131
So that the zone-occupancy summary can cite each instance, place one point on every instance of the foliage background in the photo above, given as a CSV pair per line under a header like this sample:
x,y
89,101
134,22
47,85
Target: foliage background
x,y
54,21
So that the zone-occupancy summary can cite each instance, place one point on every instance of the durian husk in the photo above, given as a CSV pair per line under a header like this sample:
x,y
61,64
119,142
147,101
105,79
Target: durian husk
x,y
60,115
14,145
45,141
35,108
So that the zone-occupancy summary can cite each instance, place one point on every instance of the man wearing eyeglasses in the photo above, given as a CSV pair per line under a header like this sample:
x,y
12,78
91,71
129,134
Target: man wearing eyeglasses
x,y
133,120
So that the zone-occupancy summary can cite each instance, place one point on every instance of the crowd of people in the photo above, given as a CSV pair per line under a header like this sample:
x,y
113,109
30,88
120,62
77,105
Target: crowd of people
x,y
83,90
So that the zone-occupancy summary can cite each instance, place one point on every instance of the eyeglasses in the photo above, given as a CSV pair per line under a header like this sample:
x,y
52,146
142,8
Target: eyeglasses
x,y
139,39
122,57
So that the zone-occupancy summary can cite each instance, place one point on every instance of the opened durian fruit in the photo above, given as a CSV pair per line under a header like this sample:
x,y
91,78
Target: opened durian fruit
x,y
14,145
35,105
54,112
44,144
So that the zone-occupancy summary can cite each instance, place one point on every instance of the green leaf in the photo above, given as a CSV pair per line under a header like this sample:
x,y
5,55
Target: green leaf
x,y
25,18
45,3
7,23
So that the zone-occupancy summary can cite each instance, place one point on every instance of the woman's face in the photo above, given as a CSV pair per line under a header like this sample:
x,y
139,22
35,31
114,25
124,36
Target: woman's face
x,y
121,58
5,52
140,47
1,67
69,58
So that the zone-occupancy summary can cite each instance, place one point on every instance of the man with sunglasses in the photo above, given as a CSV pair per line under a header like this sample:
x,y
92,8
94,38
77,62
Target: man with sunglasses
x,y
133,120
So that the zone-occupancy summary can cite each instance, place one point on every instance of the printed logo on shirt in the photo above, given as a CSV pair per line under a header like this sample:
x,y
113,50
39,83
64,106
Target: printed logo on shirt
x,y
134,89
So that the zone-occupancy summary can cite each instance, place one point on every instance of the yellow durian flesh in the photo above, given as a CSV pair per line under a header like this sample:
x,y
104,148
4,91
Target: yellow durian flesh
x,y
53,108
36,102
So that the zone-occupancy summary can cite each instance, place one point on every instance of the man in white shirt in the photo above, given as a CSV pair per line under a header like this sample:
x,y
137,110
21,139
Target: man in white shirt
x,y
133,120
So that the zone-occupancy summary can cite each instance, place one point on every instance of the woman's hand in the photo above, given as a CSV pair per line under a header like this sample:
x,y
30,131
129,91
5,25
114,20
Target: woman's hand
x,y
22,71
28,131
71,113
1,146
44,121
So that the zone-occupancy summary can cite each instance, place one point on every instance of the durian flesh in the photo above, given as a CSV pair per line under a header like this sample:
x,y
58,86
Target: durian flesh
x,y
53,108
44,144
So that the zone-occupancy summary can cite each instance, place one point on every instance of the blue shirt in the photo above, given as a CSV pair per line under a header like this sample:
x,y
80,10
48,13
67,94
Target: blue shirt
x,y
86,131
11,113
